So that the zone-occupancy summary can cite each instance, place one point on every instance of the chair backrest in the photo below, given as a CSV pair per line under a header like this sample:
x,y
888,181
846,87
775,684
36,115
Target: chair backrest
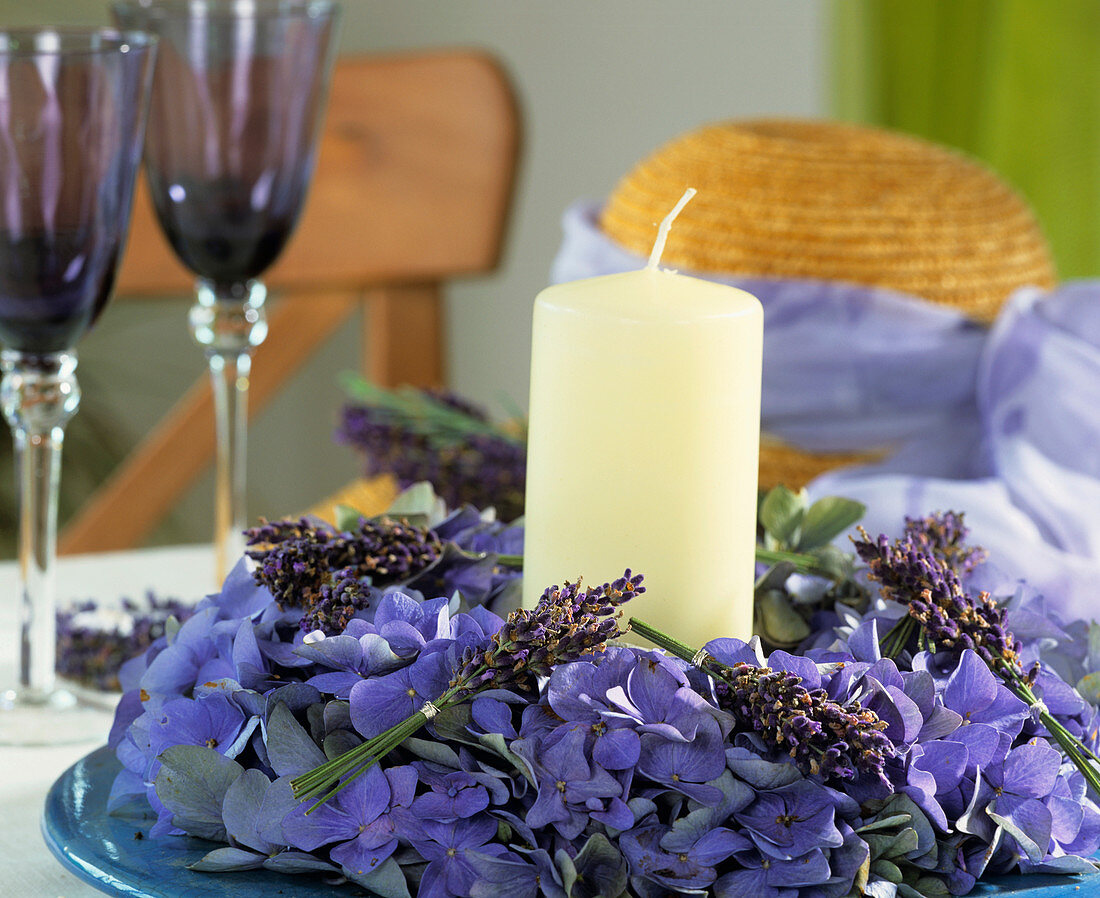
x,y
412,185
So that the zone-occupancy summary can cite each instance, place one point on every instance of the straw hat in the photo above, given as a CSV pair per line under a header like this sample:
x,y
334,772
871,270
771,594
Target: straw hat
x,y
824,200
830,201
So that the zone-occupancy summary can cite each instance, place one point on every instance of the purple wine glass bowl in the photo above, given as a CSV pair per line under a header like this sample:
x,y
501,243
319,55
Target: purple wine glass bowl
x,y
238,95
71,114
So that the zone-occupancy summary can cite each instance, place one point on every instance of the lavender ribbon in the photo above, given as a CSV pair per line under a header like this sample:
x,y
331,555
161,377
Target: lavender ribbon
x,y
1003,424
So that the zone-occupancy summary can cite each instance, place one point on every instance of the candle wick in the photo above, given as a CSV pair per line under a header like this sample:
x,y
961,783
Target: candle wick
x,y
666,226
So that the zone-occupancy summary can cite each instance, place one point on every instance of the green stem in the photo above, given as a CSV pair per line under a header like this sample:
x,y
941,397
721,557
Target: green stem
x,y
804,563
1075,750
661,639
897,638
515,561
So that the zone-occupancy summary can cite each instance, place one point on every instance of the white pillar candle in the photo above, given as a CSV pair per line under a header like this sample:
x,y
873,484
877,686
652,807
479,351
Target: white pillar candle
x,y
643,445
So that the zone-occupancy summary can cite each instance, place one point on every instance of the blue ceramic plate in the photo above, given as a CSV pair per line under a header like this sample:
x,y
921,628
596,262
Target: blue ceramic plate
x,y
114,855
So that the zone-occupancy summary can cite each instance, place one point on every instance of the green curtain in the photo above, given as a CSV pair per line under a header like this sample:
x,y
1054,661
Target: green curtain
x,y
1015,83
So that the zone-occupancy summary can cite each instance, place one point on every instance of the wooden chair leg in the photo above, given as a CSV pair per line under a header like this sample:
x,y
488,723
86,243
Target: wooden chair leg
x,y
403,338
147,484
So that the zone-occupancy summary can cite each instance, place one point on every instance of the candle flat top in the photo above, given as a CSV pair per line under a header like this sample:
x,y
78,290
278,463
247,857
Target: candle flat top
x,y
650,295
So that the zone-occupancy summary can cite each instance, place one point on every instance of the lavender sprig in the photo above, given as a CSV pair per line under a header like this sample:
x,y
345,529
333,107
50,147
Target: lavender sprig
x,y
823,736
439,437
304,563
567,623
919,571
92,654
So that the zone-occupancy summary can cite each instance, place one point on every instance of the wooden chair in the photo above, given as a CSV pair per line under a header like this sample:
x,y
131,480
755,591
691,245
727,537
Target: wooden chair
x,y
413,185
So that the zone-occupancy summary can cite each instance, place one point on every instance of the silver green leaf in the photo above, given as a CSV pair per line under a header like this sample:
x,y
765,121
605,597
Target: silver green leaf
x,y
827,519
781,514
782,624
191,783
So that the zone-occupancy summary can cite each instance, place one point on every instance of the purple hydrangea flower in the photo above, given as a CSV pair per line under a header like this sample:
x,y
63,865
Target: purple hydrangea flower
x,y
572,788
358,821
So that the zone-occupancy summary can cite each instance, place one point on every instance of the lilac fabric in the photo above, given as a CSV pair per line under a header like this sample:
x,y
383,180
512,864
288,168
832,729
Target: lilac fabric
x,y
1003,423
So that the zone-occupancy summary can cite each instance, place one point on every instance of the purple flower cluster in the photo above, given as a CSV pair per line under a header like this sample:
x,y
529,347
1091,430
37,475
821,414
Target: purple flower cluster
x,y
308,563
825,737
578,768
485,468
567,623
93,641
918,571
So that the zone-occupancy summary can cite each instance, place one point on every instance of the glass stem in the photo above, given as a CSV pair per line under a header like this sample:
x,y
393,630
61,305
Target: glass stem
x,y
229,322
39,394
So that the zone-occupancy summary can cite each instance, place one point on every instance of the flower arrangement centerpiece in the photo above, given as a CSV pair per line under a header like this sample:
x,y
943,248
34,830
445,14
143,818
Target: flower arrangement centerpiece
x,y
365,703
435,436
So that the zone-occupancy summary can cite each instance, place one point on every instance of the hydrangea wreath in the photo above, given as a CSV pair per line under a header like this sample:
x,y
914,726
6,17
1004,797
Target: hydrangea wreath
x,y
360,703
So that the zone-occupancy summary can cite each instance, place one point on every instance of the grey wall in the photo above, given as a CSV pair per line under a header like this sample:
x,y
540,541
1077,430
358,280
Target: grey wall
x,y
601,83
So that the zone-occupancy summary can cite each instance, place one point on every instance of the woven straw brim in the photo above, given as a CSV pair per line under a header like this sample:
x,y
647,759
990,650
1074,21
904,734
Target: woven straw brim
x,y
823,200
794,468
368,497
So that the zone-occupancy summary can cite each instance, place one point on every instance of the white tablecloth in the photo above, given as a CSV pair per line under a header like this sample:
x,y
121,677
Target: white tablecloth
x,y
27,869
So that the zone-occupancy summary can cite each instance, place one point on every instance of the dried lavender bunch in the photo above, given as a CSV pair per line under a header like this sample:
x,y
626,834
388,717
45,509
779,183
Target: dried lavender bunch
x,y
567,623
917,571
945,535
307,564
824,737
337,603
91,651
436,436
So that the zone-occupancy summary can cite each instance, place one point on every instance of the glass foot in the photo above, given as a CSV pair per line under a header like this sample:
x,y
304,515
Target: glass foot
x,y
58,717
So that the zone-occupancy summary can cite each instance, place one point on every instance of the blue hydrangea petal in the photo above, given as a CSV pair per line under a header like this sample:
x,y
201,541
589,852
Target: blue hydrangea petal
x,y
329,823
382,702
212,721
885,671
863,643
378,657
339,652
278,802
617,748
941,722
396,606
1027,820
464,802
983,743
1061,699
240,595
616,816
1067,816
808,869
971,687
741,883
367,851
1031,769
797,664
511,875
493,716
730,651
338,683
945,761
403,638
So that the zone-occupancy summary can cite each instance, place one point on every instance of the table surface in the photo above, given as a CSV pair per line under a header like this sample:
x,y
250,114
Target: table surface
x,y
26,774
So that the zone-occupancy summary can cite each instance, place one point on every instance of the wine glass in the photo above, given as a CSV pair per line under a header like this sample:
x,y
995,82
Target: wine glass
x,y
238,95
72,109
